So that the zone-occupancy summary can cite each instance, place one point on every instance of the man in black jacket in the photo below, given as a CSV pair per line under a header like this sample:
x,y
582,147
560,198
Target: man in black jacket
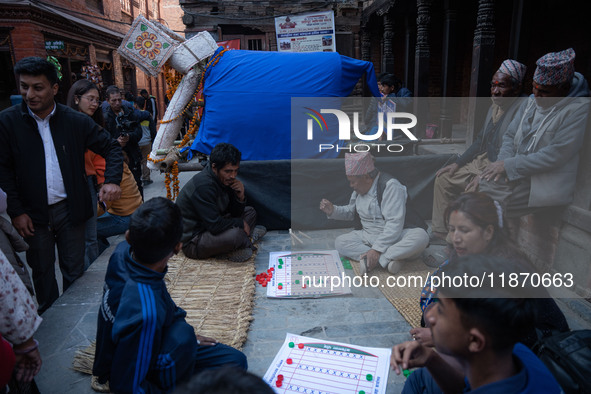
x,y
42,147
124,125
216,219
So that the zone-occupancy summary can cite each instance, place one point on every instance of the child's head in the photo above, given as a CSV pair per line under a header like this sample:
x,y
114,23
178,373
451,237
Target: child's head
x,y
155,230
468,319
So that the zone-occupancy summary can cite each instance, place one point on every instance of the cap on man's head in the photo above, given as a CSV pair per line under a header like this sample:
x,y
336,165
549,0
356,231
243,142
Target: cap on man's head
x,y
514,69
555,68
358,163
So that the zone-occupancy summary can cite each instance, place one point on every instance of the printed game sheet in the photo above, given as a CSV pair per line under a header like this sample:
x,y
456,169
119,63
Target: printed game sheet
x,y
313,366
307,274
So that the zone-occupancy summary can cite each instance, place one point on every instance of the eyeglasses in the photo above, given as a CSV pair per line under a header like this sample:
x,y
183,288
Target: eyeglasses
x,y
91,99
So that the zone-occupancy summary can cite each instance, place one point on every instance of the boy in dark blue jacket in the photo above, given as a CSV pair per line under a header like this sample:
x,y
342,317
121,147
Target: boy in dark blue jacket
x,y
477,338
144,344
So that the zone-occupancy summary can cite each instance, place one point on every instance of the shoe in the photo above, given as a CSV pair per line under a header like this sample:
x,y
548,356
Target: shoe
x,y
434,257
437,239
363,266
99,387
147,182
258,233
394,266
239,255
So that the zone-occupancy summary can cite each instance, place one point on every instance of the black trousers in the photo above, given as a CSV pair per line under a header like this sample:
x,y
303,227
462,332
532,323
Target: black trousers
x,y
70,241
206,244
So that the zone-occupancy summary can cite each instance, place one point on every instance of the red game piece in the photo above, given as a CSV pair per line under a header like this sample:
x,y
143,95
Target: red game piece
x,y
280,287
279,377
279,383
304,286
289,361
264,284
272,268
301,345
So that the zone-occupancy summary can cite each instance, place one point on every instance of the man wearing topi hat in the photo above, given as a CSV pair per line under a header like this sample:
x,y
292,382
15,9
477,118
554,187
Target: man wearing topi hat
x,y
463,175
391,231
538,160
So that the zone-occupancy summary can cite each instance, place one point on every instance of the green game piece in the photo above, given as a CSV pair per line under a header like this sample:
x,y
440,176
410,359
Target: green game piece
x,y
299,257
297,282
143,27
362,392
300,273
369,377
280,284
280,266
406,372
346,264
307,282
280,261
291,344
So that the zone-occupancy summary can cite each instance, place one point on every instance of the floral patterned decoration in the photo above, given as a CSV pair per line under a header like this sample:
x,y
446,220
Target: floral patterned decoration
x,y
148,45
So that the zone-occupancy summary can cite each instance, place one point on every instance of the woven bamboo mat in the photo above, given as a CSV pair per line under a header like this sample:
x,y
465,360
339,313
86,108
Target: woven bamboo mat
x,y
218,296
404,299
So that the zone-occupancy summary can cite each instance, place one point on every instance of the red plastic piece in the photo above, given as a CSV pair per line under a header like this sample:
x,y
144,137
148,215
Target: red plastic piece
x,y
300,345
289,361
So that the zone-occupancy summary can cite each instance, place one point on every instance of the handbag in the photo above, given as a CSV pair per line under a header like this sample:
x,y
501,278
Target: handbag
x,y
568,356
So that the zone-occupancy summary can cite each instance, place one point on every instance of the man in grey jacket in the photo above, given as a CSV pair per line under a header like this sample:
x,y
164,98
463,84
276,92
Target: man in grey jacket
x,y
391,230
537,163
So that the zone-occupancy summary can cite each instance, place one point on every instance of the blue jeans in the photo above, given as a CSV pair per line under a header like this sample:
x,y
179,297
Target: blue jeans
x,y
108,225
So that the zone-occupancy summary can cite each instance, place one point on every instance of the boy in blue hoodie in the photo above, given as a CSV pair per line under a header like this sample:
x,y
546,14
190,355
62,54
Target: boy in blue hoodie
x,y
477,338
144,344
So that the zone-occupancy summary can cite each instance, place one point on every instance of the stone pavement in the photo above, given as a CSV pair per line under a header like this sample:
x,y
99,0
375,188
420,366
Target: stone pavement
x,y
365,318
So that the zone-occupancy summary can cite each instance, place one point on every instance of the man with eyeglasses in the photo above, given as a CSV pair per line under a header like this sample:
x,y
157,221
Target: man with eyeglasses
x,y
462,175
124,125
42,171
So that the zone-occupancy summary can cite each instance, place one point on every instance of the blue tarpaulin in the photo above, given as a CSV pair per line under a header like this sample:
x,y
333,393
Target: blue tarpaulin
x,y
248,99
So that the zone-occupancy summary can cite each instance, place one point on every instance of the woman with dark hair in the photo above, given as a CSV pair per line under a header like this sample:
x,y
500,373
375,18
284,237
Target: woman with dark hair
x,y
476,226
84,97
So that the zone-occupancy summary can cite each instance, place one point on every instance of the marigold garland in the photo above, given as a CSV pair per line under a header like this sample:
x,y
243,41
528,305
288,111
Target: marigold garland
x,y
173,79
172,177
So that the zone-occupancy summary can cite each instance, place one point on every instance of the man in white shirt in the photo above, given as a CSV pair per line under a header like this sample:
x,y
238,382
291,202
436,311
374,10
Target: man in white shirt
x,y
391,232
42,147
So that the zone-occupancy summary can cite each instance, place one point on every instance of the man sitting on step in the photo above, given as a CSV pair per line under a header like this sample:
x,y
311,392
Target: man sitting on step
x,y
216,220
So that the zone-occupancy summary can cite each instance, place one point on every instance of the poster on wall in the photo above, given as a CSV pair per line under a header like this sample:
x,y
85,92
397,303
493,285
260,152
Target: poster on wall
x,y
306,33
230,44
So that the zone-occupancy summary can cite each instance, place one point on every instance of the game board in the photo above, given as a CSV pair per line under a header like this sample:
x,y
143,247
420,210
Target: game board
x,y
313,366
303,274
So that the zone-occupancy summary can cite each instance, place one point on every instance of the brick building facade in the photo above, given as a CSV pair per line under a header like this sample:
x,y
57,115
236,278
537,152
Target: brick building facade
x,y
78,32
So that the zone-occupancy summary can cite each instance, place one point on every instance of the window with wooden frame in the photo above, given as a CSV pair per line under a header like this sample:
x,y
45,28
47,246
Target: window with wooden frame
x,y
126,6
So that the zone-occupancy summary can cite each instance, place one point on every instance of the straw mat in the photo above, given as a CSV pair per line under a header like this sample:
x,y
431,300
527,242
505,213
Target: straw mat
x,y
218,296
404,299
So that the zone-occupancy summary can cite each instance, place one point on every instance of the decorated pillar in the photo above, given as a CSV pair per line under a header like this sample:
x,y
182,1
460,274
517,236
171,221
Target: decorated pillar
x,y
422,53
448,65
388,58
365,45
482,67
